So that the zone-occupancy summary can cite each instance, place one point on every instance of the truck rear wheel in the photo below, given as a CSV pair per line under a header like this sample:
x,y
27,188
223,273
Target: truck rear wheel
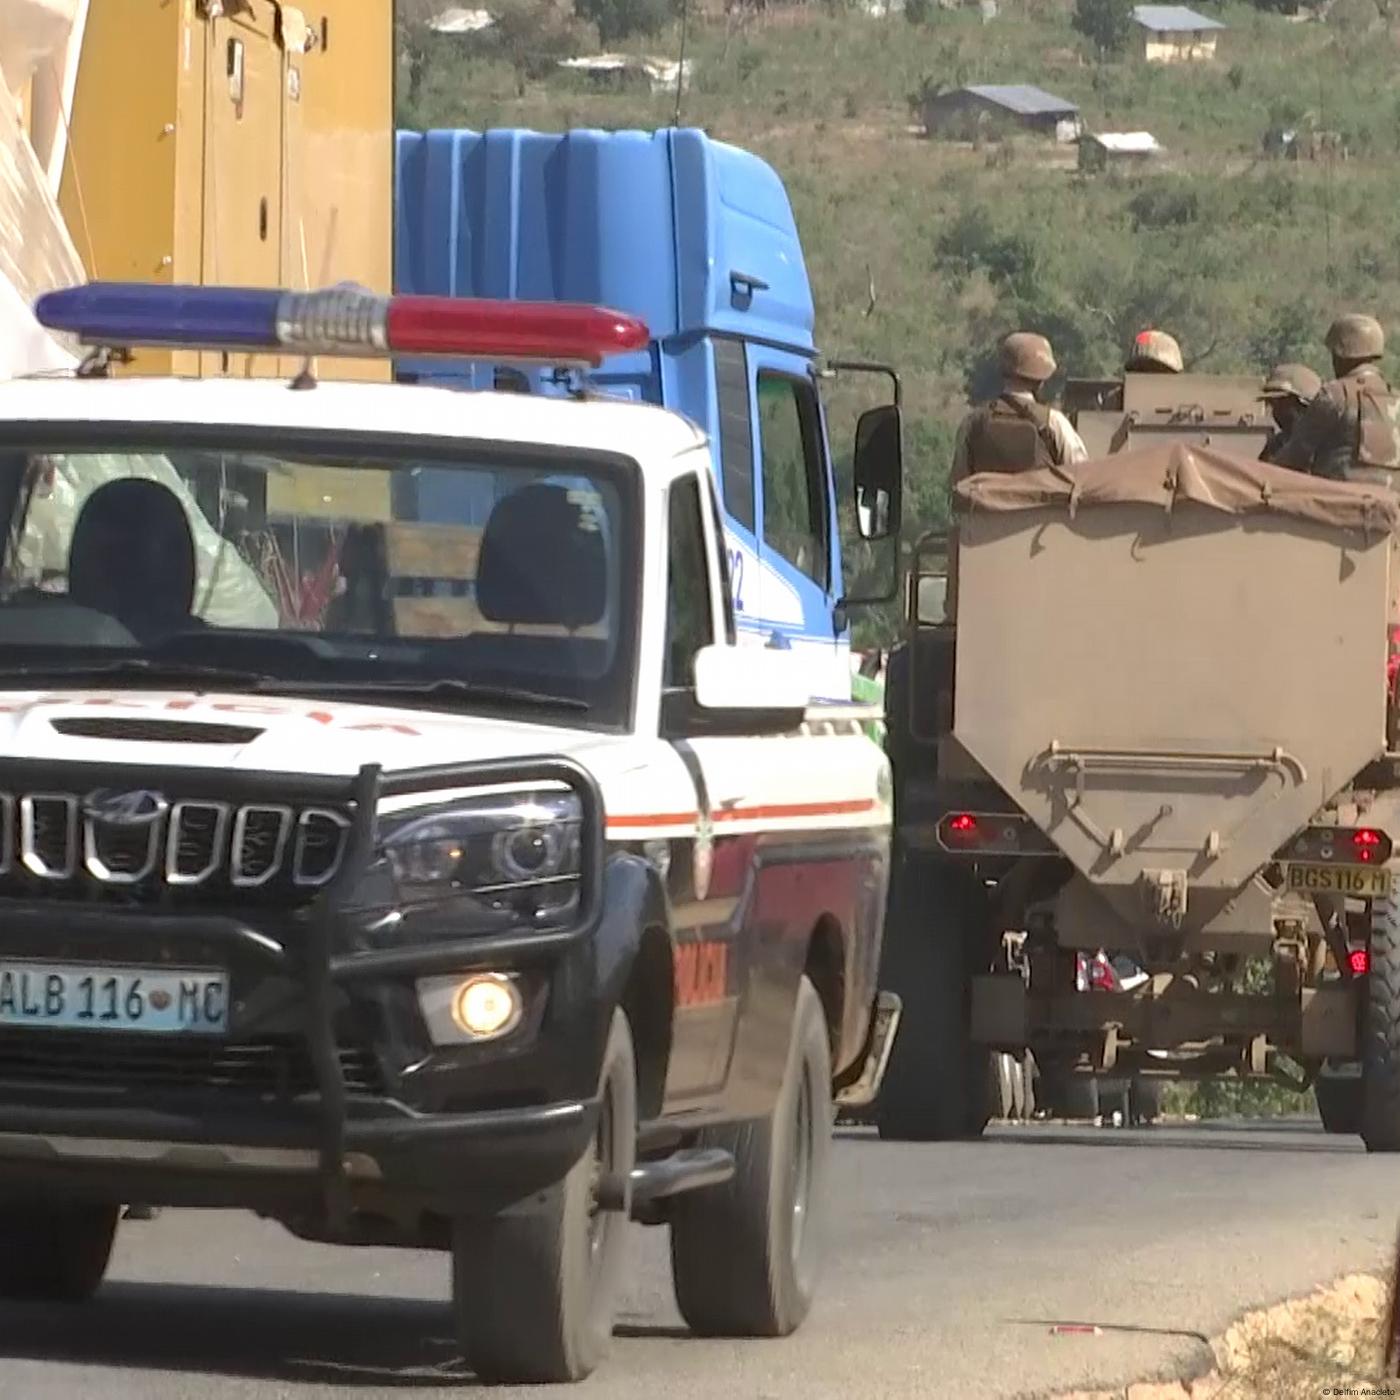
x,y
937,1082
1339,1103
535,1292
54,1253
744,1255
1380,1053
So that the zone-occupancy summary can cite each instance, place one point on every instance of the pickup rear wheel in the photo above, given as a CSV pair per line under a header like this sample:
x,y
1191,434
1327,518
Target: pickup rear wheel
x,y
937,1082
535,1291
1380,1054
54,1253
744,1256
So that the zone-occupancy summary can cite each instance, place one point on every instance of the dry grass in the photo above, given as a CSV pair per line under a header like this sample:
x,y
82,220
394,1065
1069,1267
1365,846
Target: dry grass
x,y
1329,1342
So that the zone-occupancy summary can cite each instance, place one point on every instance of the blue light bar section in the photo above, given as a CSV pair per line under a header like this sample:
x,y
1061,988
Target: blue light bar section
x,y
119,315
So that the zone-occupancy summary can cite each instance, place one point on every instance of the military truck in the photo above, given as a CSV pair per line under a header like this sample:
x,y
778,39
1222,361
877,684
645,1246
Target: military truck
x,y
1116,743
1138,409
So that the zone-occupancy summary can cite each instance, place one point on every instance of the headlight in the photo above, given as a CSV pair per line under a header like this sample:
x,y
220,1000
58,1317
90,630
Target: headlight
x,y
514,852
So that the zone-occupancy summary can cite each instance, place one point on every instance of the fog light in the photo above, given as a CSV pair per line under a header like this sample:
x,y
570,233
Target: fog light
x,y
486,1005
470,1006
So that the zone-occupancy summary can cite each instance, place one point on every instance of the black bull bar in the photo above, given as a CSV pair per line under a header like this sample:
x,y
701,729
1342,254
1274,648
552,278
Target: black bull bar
x,y
329,956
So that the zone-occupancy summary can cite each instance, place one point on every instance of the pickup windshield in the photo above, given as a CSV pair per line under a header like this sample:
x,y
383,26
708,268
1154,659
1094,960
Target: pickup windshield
x,y
480,580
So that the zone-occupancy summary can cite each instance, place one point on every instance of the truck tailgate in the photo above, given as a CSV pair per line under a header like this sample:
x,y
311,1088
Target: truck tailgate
x,y
1172,659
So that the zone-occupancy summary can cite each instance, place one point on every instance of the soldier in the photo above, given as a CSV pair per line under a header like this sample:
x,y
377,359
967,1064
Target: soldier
x,y
1288,391
1154,352
1016,432
1352,426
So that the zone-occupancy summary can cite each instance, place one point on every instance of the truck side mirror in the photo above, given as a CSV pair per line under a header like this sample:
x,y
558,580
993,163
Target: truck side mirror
x,y
879,472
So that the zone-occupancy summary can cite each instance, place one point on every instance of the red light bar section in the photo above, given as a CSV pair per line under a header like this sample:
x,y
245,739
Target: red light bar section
x,y
543,332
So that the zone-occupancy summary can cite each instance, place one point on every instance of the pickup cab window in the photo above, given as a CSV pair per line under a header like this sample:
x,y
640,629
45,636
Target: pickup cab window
x,y
689,610
509,578
794,474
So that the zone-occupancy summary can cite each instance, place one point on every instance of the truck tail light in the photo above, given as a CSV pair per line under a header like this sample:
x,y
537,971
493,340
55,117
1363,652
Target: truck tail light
x,y
1338,845
991,833
1359,960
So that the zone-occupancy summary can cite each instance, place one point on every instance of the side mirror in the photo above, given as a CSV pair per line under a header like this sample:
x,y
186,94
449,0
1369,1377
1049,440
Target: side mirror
x,y
879,472
750,678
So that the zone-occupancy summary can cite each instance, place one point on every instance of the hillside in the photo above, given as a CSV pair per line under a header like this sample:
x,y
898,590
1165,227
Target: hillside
x,y
1243,257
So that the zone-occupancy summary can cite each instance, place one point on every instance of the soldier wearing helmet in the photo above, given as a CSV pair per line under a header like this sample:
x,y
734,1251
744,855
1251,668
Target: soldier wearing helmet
x,y
1351,429
1154,352
1288,390
1015,431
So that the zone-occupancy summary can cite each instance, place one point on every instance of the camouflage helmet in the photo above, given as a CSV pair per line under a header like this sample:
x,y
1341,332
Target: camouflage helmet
x,y
1026,356
1155,348
1291,382
1355,337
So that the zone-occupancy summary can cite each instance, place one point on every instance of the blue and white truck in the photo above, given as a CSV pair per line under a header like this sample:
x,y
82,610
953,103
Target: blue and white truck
x,y
698,240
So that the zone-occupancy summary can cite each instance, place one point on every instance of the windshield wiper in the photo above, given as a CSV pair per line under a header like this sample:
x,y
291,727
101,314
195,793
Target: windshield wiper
x,y
429,689
133,668
156,671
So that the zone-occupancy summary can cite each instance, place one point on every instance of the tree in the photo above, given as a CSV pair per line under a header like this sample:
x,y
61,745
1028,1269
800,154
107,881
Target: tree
x,y
620,19
413,37
533,35
1107,24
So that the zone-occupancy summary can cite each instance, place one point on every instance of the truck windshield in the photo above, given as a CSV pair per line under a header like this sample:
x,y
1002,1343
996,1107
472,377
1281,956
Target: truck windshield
x,y
480,580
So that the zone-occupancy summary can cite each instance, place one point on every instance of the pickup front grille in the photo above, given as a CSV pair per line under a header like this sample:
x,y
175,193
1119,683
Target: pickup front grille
x,y
141,843
277,1067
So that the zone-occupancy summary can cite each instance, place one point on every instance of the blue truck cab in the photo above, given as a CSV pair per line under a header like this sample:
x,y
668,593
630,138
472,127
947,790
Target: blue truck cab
x,y
697,239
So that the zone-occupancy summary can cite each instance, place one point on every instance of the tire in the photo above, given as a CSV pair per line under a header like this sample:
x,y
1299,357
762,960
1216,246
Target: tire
x,y
1019,1088
936,1083
745,1255
1145,1100
1339,1104
1002,1072
1068,1095
535,1290
54,1253
1380,1051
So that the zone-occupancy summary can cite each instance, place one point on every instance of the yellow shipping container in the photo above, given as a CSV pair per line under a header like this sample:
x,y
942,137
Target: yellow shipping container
x,y
238,142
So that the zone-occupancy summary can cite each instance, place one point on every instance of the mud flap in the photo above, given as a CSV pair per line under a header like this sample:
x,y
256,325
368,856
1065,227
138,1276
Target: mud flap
x,y
1000,1014
884,1025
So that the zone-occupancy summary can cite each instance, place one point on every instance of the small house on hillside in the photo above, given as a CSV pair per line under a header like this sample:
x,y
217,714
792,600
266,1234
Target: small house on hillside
x,y
1105,150
1174,34
967,112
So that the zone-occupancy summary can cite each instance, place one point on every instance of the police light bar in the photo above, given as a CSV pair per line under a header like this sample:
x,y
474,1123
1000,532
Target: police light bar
x,y
340,321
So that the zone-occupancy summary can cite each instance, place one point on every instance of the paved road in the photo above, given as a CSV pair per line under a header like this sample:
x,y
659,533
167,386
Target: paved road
x,y
949,1264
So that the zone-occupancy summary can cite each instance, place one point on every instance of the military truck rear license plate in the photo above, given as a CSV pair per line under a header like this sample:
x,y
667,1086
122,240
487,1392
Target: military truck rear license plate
x,y
67,996
1373,883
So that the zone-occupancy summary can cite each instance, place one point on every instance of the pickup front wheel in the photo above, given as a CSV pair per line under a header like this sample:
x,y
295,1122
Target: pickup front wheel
x,y
535,1290
744,1255
54,1253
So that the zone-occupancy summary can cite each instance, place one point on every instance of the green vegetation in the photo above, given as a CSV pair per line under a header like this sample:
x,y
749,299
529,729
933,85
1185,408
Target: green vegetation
x,y
1243,257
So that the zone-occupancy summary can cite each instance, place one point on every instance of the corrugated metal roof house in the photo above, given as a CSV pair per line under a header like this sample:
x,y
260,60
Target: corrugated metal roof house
x,y
1175,34
964,112
1102,149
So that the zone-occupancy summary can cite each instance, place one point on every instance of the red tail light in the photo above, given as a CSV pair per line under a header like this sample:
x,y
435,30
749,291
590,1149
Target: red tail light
x,y
1359,960
1367,844
1102,976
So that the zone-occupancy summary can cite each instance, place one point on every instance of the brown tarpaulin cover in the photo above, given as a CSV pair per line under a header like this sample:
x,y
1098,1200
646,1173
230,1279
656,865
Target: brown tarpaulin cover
x,y
1165,473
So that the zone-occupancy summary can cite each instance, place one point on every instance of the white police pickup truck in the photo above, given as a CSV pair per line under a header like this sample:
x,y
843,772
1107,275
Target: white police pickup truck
x,y
393,842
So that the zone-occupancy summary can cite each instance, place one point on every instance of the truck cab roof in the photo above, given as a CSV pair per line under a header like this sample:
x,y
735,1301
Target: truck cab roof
x,y
693,236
